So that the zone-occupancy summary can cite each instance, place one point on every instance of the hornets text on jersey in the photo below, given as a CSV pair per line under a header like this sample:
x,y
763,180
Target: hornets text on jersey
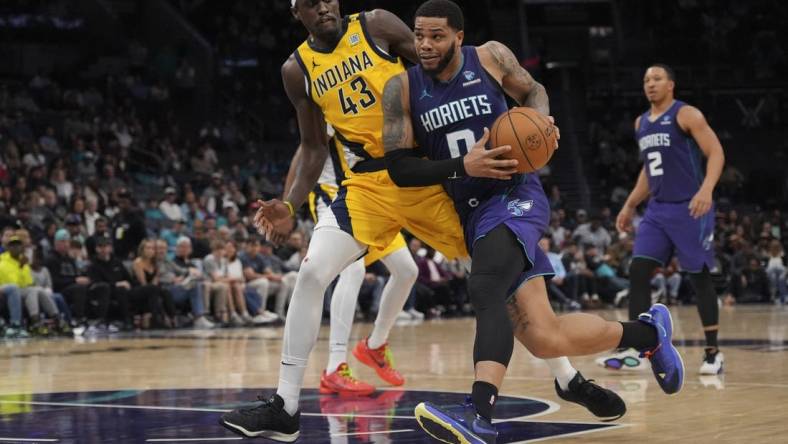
x,y
671,158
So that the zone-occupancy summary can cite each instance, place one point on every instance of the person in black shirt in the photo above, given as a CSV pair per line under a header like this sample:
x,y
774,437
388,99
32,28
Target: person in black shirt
x,y
128,226
109,273
102,230
69,281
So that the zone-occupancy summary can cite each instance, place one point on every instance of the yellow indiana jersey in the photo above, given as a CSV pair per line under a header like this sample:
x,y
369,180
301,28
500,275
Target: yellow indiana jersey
x,y
347,84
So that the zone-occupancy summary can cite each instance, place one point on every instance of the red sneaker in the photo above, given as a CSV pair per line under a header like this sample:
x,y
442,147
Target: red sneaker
x,y
341,381
380,360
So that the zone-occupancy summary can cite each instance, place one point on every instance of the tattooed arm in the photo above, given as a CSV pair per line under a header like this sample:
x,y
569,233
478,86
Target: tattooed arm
x,y
407,170
499,61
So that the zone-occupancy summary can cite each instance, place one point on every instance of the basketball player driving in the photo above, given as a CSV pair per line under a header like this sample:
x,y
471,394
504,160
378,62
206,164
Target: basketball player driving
x,y
444,105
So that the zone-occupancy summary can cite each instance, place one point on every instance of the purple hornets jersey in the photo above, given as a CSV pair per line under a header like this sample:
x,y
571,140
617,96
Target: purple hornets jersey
x,y
672,162
670,157
448,118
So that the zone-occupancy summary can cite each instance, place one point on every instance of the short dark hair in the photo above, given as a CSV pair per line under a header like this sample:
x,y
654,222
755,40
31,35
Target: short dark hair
x,y
443,9
668,70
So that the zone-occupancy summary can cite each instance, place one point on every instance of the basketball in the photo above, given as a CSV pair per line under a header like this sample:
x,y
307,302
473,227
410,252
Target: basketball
x,y
532,138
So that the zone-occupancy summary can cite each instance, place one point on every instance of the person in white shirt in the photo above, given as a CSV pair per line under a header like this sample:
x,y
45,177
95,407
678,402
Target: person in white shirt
x,y
169,207
237,282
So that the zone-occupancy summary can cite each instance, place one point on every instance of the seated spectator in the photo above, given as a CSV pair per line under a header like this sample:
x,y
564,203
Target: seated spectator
x,y
184,280
42,279
146,274
593,233
215,267
666,283
173,234
200,241
75,285
555,285
282,280
254,267
558,233
776,270
751,284
107,271
580,281
434,277
293,245
15,269
608,283
422,297
10,296
235,277
101,229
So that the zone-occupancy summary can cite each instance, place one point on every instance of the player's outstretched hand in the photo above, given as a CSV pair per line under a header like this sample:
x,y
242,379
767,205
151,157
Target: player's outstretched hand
x,y
624,219
481,162
700,203
273,219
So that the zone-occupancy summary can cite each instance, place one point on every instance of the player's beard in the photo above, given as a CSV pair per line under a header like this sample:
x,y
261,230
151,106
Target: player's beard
x,y
445,60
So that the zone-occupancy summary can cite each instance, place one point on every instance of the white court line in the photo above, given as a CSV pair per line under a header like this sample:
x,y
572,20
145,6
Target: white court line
x,y
185,409
565,435
372,433
115,406
29,440
237,438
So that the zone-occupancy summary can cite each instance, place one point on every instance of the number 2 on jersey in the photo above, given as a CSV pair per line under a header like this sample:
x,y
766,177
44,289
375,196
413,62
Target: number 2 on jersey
x,y
358,85
655,164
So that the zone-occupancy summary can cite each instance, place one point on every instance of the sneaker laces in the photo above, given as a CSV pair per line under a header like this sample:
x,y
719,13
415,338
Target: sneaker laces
x,y
346,373
264,404
588,388
388,357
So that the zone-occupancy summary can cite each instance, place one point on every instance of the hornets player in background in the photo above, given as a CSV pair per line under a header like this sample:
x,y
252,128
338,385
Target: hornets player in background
x,y
337,76
679,218
445,106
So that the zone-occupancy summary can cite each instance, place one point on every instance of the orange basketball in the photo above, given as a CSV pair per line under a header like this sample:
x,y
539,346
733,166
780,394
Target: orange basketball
x,y
532,138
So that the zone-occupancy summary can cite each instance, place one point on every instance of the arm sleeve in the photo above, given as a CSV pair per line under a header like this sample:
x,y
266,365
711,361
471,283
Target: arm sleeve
x,y
407,170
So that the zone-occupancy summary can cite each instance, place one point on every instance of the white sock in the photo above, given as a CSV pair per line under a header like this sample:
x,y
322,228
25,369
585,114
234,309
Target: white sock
x,y
404,272
329,252
343,310
562,370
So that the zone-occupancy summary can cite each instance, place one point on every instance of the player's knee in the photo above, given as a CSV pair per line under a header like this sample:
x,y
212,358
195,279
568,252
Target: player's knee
x,y
408,271
642,269
313,275
476,290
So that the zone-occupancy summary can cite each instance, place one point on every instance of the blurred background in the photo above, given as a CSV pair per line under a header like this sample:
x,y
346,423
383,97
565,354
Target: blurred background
x,y
166,119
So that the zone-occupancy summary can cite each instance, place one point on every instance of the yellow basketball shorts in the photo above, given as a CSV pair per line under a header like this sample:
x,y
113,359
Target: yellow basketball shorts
x,y
320,207
372,209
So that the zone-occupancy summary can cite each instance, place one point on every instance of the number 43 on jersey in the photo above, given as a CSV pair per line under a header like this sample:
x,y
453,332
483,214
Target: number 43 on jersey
x,y
367,99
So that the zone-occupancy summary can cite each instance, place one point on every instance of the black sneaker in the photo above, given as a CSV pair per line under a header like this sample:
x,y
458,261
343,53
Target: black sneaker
x,y
267,419
603,403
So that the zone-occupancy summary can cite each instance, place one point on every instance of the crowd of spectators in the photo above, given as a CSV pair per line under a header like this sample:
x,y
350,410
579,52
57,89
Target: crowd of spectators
x,y
116,216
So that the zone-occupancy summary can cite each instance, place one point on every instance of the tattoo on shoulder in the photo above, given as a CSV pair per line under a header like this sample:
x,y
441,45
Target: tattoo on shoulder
x,y
393,115
506,61
502,56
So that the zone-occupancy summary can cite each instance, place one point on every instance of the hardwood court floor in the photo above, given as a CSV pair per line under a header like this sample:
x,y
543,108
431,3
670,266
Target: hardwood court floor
x,y
129,376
